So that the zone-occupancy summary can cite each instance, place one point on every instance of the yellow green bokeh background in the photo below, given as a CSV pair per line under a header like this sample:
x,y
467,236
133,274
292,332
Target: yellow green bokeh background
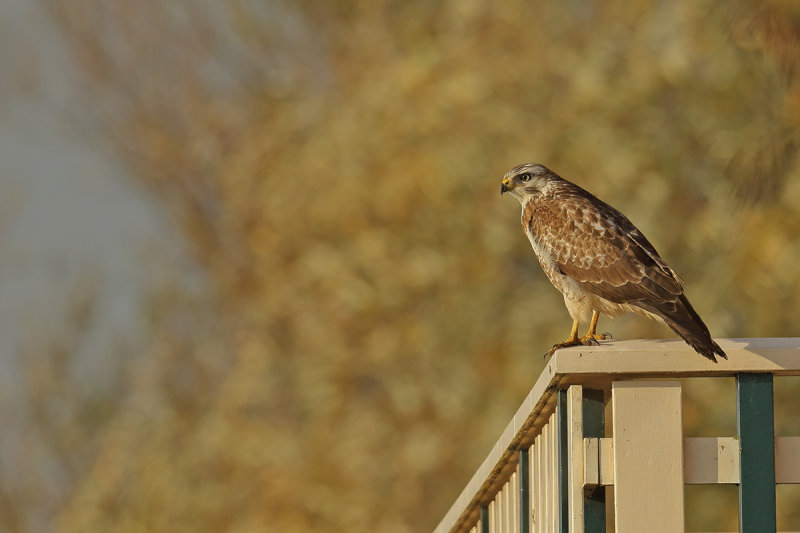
x,y
369,313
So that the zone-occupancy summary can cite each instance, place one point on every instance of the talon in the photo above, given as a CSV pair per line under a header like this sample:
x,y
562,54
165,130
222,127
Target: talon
x,y
572,340
607,335
593,339
551,351
567,343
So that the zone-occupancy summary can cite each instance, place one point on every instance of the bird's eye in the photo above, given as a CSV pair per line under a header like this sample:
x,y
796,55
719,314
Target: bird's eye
x,y
525,177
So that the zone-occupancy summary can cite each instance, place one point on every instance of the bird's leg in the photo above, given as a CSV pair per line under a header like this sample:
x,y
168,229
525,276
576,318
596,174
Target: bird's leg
x,y
572,340
592,337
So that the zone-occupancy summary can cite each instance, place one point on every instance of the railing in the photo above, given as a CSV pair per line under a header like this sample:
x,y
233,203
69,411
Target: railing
x,y
548,470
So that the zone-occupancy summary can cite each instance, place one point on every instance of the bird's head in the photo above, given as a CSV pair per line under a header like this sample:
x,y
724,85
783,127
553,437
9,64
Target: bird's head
x,y
526,180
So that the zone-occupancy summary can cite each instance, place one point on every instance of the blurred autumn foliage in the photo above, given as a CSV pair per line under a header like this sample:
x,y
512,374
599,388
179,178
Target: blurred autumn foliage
x,y
369,313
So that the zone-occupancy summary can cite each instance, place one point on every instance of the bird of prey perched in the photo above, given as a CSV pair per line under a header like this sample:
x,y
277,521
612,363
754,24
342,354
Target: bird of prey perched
x,y
599,260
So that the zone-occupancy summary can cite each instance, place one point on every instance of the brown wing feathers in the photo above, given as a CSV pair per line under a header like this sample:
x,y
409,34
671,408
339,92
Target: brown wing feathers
x,y
600,254
610,258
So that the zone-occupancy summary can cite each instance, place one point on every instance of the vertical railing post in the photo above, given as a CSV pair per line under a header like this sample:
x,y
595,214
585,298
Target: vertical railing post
x,y
524,491
576,458
648,456
756,427
563,463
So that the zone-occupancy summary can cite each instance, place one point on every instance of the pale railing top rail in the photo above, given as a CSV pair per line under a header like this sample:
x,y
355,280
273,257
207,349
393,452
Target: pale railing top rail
x,y
597,367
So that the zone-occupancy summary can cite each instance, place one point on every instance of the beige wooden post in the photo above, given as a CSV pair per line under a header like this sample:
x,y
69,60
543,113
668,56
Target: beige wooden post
x,y
533,469
553,485
545,480
575,451
513,514
498,512
552,473
648,458
537,495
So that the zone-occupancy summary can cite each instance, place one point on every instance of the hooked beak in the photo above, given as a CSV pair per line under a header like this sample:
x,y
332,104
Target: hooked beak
x,y
504,187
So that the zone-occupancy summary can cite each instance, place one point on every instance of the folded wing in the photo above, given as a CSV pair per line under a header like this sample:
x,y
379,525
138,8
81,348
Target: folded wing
x,y
596,245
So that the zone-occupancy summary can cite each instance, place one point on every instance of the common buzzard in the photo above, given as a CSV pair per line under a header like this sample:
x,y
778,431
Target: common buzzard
x,y
599,260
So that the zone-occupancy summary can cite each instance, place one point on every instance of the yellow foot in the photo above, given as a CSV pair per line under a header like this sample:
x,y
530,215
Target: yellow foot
x,y
569,342
591,338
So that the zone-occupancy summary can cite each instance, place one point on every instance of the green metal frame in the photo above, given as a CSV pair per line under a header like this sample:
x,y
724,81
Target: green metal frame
x,y
563,462
524,491
755,422
594,426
